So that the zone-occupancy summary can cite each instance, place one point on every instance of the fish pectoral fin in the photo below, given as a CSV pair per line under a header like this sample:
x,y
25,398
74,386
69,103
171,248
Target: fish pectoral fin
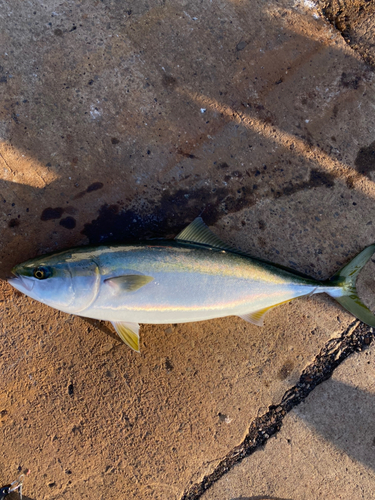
x,y
129,282
128,333
257,317
198,232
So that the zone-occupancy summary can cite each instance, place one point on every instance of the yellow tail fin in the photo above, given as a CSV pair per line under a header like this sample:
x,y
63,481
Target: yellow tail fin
x,y
346,278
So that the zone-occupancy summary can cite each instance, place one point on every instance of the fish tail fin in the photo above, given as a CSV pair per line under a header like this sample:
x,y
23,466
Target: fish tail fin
x,y
346,279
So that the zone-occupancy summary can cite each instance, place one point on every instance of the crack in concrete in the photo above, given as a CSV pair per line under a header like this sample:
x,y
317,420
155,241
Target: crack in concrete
x,y
356,337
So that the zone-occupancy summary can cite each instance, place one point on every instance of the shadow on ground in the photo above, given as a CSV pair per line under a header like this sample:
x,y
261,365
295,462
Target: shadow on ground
x,y
114,177
343,418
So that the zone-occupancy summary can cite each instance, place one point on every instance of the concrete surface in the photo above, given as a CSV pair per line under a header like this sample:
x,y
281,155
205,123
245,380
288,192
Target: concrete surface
x,y
123,121
355,21
325,448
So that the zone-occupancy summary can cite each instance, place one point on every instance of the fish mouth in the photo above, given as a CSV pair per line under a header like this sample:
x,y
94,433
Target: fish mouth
x,y
22,283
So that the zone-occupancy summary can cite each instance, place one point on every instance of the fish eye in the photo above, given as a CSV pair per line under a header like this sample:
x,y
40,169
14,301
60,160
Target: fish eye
x,y
41,273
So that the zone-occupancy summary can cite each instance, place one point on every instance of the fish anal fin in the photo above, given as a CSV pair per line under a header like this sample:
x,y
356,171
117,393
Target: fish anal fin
x,y
198,232
128,333
257,317
129,282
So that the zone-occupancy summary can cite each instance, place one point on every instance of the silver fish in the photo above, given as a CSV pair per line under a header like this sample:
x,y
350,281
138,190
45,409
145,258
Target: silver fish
x,y
192,278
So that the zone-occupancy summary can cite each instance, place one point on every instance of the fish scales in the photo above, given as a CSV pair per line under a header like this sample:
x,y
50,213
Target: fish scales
x,y
189,284
195,277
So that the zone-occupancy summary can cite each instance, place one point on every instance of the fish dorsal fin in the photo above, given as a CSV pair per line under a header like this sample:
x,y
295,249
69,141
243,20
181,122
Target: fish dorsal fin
x,y
198,232
129,282
128,333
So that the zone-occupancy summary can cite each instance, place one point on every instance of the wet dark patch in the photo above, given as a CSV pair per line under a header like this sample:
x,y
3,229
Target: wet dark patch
x,y
350,81
52,213
68,223
94,187
168,365
285,370
168,81
223,165
317,179
186,154
58,32
176,210
81,194
261,225
14,223
239,202
114,140
365,161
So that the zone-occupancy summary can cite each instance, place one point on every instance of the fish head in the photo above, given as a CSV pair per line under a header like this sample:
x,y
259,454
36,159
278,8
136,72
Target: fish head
x,y
58,280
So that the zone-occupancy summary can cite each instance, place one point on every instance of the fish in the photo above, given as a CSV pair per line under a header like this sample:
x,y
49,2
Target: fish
x,y
194,277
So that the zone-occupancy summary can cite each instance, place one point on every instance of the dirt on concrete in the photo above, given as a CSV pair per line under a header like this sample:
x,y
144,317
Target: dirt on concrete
x,y
354,19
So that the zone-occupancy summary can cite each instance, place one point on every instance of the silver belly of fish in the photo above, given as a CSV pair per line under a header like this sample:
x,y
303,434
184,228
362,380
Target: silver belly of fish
x,y
185,284
194,277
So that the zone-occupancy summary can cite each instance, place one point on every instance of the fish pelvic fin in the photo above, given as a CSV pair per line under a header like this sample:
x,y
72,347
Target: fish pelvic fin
x,y
346,279
128,333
